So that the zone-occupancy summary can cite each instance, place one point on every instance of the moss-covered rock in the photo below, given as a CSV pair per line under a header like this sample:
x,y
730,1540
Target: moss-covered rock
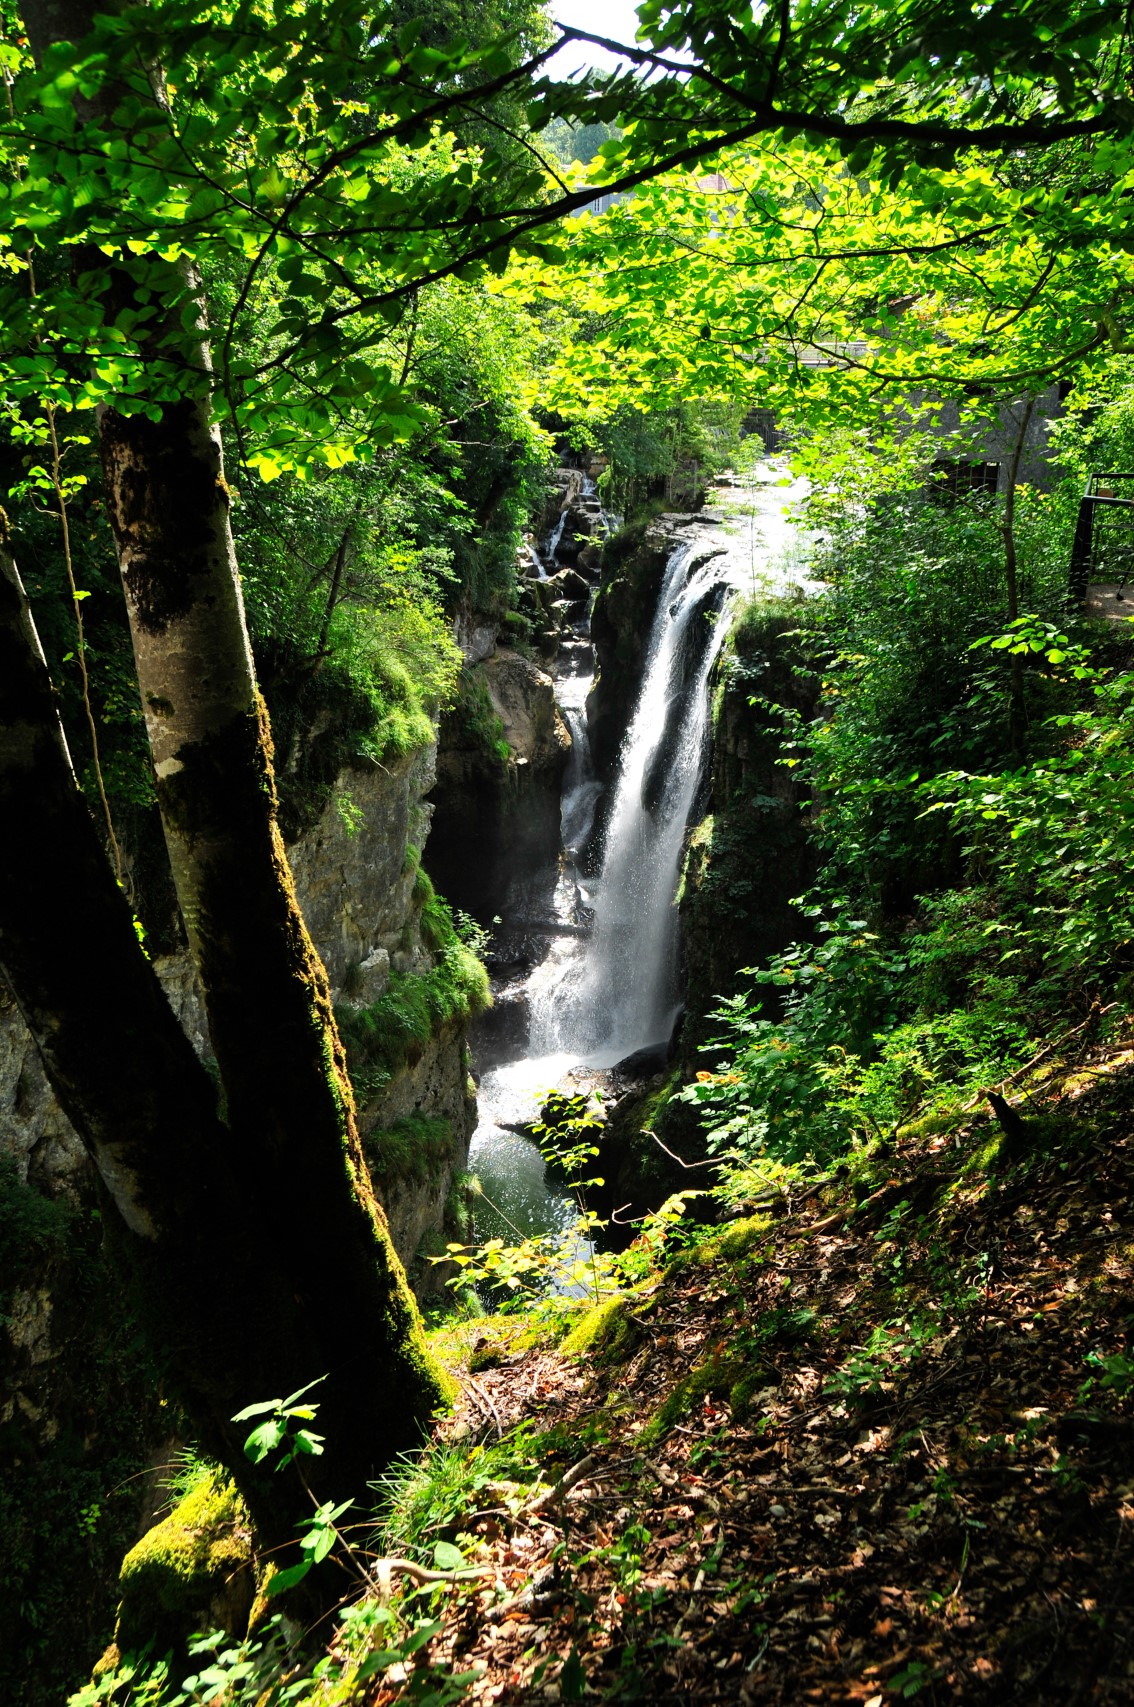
x,y
194,1570
417,1149
646,1129
737,1241
717,1376
751,855
607,1334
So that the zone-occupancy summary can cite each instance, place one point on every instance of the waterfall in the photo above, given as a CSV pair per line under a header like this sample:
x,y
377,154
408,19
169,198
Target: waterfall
x,y
581,788
607,983
618,991
552,545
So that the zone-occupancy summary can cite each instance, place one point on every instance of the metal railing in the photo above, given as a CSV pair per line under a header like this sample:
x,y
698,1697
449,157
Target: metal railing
x,y
1103,548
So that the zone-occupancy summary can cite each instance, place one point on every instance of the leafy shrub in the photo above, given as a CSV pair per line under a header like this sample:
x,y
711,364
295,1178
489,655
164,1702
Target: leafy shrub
x,y
1057,838
858,1049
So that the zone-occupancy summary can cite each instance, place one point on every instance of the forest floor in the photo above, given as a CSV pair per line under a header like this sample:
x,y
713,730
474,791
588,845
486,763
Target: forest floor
x,y
873,1444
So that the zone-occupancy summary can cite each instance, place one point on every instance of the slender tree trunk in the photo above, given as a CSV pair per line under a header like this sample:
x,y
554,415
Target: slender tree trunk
x,y
208,1286
1017,713
333,595
288,1096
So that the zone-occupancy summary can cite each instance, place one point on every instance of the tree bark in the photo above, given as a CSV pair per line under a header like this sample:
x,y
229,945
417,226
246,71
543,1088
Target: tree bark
x,y
288,1097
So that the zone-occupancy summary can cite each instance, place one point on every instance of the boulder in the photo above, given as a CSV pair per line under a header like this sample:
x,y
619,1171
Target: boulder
x,y
475,637
195,1570
523,697
568,584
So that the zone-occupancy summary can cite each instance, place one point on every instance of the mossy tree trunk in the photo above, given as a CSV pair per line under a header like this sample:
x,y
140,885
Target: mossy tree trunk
x,y
293,1139
288,1096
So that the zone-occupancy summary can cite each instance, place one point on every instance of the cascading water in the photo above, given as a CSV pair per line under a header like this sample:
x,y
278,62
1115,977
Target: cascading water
x,y
553,542
608,984
620,993
581,788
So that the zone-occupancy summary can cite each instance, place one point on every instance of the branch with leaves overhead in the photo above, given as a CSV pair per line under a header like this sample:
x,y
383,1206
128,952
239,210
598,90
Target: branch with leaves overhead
x,y
329,165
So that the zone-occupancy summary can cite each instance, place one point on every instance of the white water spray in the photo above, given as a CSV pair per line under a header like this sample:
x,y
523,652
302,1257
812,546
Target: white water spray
x,y
621,993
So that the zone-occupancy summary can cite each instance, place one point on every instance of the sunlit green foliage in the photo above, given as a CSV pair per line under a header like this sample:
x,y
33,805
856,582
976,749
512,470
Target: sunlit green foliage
x,y
971,900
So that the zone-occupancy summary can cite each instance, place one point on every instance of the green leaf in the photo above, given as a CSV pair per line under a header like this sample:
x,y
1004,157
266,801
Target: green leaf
x,y
319,1544
264,1439
250,1411
283,1580
380,1661
423,1634
572,1678
446,1557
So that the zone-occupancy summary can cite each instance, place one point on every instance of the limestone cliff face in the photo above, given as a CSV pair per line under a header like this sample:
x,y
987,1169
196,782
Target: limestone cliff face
x,y
353,879
356,887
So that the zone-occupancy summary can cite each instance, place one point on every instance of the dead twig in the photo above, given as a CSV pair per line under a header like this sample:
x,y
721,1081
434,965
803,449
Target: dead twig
x,y
485,1404
709,1162
382,1572
565,1483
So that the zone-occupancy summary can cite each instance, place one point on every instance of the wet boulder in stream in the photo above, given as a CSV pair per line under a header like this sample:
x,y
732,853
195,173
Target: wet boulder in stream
x,y
568,584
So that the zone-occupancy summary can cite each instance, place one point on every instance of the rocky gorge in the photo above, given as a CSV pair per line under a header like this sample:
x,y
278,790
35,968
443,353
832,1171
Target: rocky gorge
x,y
536,776
625,752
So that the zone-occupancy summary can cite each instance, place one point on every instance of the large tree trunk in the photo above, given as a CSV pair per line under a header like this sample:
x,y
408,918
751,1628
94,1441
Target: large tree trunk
x,y
281,1063
288,1098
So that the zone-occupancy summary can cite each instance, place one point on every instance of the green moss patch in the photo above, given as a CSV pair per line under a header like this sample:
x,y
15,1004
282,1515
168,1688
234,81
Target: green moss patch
x,y
737,1241
717,1376
473,724
396,1029
743,1390
607,1333
192,1570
